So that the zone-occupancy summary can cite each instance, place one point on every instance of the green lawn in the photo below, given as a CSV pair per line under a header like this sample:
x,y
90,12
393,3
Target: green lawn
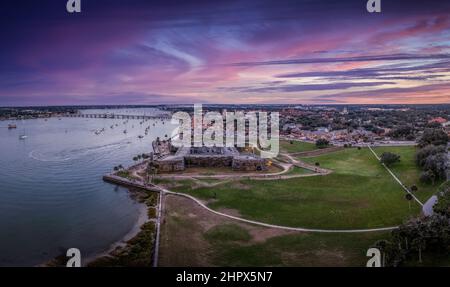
x,y
233,248
298,170
296,146
350,162
358,194
408,175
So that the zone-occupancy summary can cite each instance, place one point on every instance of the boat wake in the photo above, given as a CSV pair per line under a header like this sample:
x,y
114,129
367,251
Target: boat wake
x,y
75,153
45,158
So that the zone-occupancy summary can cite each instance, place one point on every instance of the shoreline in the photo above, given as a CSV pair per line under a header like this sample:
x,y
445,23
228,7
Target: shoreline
x,y
142,219
122,242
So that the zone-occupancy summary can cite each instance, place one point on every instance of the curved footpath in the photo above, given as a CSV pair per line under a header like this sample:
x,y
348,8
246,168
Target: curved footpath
x,y
166,191
279,175
151,187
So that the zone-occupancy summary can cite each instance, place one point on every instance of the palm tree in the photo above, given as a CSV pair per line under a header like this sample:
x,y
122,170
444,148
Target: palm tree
x,y
419,244
409,198
385,248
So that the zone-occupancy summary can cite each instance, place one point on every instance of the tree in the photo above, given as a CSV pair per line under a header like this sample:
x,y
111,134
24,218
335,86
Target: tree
x,y
389,251
428,177
429,150
434,137
389,158
402,132
430,233
434,125
414,188
437,164
322,143
419,244
442,206
409,198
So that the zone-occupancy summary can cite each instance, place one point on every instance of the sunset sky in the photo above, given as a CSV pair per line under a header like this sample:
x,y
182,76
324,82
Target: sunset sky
x,y
175,52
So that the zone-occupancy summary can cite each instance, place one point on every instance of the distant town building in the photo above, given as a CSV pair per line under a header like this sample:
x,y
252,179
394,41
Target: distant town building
x,y
439,120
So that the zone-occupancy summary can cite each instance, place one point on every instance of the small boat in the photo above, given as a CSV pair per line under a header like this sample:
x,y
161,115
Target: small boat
x,y
12,126
22,137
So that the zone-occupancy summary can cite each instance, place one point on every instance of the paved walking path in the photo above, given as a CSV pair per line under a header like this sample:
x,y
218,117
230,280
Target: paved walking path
x,y
157,188
286,168
158,230
254,222
395,177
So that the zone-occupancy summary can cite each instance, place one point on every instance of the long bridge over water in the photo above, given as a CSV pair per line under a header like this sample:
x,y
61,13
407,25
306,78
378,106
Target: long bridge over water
x,y
118,116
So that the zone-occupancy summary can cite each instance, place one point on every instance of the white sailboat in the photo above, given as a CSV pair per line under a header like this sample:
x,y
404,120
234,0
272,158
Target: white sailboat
x,y
23,135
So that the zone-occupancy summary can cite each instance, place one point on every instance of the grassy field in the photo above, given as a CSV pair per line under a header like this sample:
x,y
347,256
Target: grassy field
x,y
296,146
406,173
299,170
235,248
358,194
212,240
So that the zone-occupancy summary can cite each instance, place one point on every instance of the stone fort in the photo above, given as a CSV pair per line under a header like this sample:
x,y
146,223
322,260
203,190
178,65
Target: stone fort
x,y
167,158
